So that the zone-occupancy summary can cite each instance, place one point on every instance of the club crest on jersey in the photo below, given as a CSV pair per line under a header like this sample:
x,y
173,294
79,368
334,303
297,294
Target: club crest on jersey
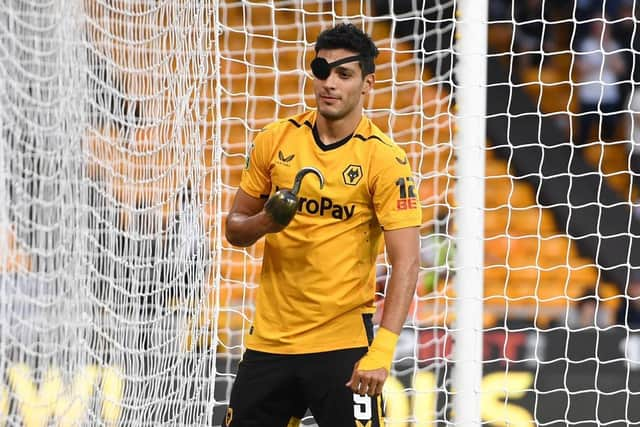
x,y
284,160
352,174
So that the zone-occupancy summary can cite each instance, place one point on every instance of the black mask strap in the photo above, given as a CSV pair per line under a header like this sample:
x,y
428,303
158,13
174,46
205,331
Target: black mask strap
x,y
321,68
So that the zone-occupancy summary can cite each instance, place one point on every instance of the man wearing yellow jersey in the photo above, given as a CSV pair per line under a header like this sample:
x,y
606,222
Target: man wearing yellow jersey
x,y
311,345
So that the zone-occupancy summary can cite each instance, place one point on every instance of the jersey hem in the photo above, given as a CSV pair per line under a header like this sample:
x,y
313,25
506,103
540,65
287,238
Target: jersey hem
x,y
308,350
399,225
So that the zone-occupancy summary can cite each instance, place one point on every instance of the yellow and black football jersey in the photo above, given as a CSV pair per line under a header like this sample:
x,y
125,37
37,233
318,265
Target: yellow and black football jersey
x,y
318,274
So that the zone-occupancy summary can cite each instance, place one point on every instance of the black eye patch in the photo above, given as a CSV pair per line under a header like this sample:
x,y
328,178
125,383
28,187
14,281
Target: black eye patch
x,y
321,68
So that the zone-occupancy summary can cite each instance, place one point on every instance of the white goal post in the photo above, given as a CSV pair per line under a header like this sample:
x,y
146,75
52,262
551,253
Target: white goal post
x,y
470,76
124,128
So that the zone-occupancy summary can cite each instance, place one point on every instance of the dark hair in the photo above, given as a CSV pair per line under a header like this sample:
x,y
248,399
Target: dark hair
x,y
349,37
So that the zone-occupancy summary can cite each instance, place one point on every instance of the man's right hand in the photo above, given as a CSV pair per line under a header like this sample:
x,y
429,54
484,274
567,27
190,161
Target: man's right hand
x,y
282,206
248,220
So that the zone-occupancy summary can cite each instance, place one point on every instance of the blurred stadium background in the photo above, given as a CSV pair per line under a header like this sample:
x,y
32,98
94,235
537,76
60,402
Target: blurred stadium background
x,y
125,125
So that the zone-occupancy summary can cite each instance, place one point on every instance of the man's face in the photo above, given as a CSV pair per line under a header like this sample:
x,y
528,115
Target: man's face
x,y
342,92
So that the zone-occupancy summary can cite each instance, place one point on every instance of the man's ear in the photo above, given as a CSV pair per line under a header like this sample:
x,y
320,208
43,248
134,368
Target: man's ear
x,y
369,81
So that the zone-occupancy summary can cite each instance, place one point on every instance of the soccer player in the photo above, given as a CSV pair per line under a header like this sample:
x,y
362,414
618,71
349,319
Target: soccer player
x,y
311,345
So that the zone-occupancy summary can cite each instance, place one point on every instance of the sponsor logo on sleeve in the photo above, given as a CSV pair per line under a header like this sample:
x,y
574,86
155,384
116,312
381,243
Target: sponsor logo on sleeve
x,y
407,193
247,161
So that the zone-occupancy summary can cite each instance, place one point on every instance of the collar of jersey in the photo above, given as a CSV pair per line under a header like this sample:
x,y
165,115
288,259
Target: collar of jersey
x,y
325,147
334,145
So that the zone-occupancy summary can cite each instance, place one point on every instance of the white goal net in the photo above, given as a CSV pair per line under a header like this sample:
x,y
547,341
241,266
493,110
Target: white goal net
x,y
124,127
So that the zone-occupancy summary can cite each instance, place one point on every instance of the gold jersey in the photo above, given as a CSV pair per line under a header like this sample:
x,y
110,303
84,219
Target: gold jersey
x,y
318,274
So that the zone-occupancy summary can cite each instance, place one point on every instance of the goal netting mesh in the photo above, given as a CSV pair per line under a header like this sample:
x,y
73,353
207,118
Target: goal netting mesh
x,y
124,128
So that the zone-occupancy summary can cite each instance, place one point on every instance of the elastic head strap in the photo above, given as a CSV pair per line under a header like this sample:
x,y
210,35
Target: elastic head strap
x,y
321,69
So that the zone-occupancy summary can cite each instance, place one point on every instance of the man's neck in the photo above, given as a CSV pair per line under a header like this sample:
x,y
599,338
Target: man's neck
x,y
331,131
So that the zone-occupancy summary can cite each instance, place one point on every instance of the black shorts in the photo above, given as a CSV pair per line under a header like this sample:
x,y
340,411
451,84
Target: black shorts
x,y
275,390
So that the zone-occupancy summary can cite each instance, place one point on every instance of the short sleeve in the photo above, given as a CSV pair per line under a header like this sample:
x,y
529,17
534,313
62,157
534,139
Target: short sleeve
x,y
395,193
255,180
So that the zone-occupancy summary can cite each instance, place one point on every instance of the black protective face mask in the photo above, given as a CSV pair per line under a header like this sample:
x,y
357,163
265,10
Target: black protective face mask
x,y
321,68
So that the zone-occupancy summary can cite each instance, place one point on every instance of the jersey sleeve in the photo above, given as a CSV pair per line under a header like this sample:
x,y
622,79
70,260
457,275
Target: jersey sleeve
x,y
256,180
395,193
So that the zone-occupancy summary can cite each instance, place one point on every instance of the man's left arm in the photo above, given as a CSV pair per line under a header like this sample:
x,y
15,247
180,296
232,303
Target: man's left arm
x,y
403,250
